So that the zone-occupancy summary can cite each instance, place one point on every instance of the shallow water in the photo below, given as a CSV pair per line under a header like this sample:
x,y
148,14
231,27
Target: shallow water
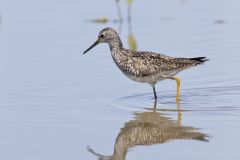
x,y
56,103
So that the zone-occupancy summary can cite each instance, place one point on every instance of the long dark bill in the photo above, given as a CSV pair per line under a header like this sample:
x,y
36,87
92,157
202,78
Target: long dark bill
x,y
93,45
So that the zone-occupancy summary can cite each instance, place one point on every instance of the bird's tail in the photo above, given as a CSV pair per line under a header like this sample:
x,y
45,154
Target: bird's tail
x,y
199,59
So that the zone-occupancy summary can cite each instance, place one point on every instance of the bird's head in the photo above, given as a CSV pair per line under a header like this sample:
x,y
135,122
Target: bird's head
x,y
107,35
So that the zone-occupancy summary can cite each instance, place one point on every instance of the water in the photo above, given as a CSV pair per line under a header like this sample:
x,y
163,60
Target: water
x,y
56,103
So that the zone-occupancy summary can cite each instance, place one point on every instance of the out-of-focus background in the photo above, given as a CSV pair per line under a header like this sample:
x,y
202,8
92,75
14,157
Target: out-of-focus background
x,y
56,103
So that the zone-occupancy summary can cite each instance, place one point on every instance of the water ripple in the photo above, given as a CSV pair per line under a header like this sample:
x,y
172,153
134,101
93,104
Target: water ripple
x,y
215,99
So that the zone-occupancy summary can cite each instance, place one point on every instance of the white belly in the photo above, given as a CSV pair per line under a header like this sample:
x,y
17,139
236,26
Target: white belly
x,y
153,78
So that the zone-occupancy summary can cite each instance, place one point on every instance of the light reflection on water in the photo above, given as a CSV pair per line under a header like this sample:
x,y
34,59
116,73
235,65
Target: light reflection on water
x,y
150,128
156,125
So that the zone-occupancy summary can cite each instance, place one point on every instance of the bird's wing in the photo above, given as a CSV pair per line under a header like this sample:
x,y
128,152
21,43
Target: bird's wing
x,y
148,63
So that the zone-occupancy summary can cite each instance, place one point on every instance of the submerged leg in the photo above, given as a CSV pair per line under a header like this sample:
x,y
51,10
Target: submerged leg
x,y
179,119
154,91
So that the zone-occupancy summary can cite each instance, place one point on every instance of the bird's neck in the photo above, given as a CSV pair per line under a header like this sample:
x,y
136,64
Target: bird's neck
x,y
116,48
115,44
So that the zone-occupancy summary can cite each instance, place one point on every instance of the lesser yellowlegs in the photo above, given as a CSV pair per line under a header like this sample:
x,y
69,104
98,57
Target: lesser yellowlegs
x,y
145,66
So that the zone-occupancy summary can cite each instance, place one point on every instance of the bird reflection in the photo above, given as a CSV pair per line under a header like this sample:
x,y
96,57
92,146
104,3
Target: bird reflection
x,y
149,128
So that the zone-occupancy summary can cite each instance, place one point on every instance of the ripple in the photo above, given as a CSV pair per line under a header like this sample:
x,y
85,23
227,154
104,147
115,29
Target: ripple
x,y
213,99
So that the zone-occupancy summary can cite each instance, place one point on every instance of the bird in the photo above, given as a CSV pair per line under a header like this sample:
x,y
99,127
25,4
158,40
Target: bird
x,y
145,66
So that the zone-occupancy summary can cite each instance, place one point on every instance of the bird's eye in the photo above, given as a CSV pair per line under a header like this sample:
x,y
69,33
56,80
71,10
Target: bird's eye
x,y
102,35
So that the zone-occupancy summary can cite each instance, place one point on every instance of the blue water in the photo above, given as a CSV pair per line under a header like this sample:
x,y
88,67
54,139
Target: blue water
x,y
56,103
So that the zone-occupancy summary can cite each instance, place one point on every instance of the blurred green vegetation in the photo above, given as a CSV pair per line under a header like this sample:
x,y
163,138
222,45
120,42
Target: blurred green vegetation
x,y
132,42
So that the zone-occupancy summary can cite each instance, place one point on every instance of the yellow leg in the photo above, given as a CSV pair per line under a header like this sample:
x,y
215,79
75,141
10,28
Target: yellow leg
x,y
178,87
179,120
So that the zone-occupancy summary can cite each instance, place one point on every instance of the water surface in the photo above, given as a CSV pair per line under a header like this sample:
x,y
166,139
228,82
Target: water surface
x,y
56,103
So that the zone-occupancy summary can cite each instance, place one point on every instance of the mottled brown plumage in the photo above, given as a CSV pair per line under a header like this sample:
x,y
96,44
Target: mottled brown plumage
x,y
144,63
144,66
